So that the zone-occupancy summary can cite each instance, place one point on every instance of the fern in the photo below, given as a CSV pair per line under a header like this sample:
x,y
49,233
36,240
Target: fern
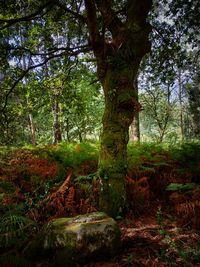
x,y
189,213
15,231
61,202
14,227
188,209
138,193
180,187
69,201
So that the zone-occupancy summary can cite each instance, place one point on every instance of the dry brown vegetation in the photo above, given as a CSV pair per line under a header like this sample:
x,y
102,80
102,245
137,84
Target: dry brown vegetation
x,y
161,227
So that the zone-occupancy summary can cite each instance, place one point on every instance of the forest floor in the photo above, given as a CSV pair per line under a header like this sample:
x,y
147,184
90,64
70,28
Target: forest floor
x,y
161,227
150,245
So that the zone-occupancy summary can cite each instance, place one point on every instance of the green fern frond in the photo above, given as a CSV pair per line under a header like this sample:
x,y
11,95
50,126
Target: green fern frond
x,y
14,227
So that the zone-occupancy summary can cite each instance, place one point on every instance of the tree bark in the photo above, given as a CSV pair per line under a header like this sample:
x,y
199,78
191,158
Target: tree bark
x,y
32,129
57,136
135,129
180,97
67,130
194,102
117,66
120,107
135,125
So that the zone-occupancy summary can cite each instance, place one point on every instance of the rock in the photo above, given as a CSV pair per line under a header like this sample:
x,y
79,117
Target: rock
x,y
66,241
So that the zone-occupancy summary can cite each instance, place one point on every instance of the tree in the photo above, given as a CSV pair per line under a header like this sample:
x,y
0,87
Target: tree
x,y
117,66
174,39
157,112
194,102
117,34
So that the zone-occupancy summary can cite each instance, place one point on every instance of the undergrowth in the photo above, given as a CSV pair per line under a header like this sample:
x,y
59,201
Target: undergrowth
x,y
45,182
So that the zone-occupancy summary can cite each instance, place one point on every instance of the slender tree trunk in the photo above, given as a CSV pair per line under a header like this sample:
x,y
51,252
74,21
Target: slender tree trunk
x,y
26,64
180,97
67,130
80,136
32,129
194,102
57,136
135,129
117,66
161,134
135,125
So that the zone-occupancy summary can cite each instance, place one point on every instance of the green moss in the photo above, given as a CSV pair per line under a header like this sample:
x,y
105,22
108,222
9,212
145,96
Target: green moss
x,y
113,196
65,241
124,97
108,141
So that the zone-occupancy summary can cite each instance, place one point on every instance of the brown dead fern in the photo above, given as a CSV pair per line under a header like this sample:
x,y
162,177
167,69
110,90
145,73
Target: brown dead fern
x,y
139,193
60,202
189,213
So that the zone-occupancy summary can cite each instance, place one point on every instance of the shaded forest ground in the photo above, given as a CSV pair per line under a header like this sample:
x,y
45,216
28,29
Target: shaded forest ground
x,y
163,219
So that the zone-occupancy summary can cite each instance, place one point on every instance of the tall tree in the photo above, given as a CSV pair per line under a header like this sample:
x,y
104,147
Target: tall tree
x,y
117,33
194,102
118,61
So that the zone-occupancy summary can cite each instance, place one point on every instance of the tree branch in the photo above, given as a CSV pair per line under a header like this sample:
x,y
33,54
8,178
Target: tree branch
x,y
137,11
24,73
73,13
51,51
92,22
10,22
112,22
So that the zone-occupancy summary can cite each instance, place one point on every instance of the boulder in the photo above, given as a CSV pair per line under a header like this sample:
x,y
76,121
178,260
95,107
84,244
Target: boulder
x,y
66,241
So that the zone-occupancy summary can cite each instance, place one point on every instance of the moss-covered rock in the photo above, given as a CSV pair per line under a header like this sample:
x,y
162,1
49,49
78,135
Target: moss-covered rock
x,y
65,241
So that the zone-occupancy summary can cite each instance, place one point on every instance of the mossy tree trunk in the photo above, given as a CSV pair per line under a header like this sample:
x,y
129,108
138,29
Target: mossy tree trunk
x,y
120,106
57,133
118,61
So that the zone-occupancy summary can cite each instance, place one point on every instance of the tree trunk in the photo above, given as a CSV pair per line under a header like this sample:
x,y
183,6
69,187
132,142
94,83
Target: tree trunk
x,y
32,129
80,136
26,64
135,125
180,96
120,106
135,129
194,102
57,136
117,65
67,130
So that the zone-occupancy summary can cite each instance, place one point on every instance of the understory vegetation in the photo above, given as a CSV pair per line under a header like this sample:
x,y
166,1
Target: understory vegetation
x,y
162,224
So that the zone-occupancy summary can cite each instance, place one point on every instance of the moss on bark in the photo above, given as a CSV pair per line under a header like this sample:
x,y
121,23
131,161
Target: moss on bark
x,y
118,115
117,65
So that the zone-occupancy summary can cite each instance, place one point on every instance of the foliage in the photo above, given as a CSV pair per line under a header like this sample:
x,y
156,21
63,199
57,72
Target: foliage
x,y
187,207
77,155
15,232
138,194
180,187
188,154
145,157
28,200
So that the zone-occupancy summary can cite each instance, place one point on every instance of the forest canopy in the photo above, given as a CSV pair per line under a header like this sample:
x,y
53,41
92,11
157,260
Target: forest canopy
x,y
46,52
